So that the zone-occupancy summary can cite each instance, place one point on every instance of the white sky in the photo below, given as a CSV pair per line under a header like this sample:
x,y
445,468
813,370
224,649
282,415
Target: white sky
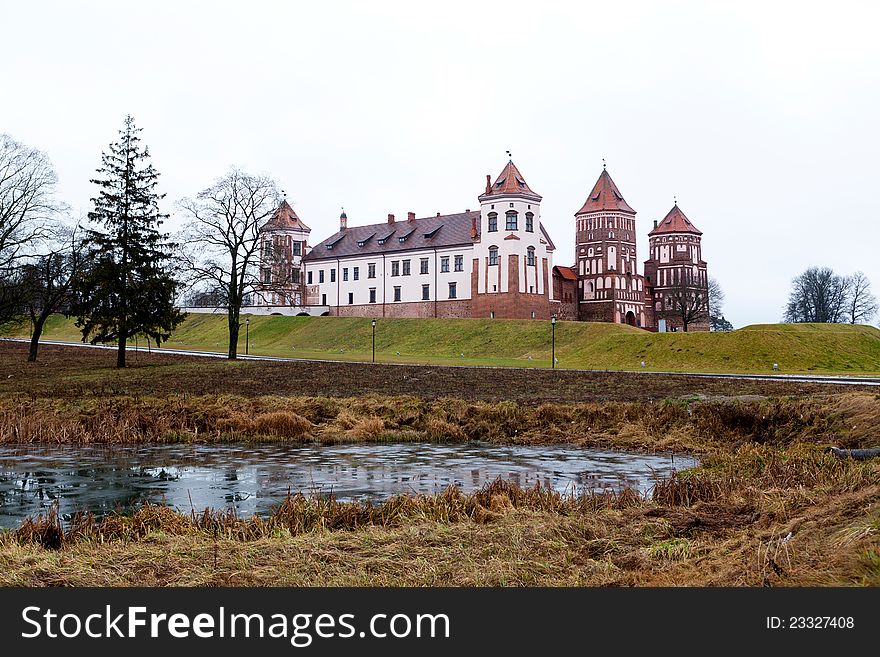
x,y
762,117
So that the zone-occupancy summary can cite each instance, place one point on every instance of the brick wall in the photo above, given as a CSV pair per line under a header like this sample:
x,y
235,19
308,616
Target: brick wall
x,y
512,304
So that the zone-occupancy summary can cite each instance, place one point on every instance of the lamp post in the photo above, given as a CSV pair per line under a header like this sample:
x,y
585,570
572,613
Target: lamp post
x,y
247,335
553,341
373,324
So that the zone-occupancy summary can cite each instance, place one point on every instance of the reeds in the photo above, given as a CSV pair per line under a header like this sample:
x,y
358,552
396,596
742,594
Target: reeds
x,y
300,514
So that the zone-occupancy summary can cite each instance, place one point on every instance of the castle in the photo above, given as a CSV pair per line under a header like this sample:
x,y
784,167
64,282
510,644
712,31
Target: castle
x,y
494,262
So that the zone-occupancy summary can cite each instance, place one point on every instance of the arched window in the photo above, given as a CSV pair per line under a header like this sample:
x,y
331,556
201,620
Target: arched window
x,y
530,256
511,220
493,255
493,222
530,222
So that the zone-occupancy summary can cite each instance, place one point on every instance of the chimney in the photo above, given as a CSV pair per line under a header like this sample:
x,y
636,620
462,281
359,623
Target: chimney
x,y
390,218
488,183
473,227
655,223
438,214
410,216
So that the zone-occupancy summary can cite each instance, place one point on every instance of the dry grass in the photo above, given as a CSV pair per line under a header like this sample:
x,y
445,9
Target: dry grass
x,y
696,426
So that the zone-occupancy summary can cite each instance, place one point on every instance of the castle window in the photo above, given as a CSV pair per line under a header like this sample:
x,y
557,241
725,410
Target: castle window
x,y
459,263
332,275
493,255
395,268
397,293
372,295
356,273
444,264
267,275
493,222
423,265
426,292
295,275
309,277
511,220
530,256
350,298
297,248
405,271
345,273
530,222
453,292
321,276
371,270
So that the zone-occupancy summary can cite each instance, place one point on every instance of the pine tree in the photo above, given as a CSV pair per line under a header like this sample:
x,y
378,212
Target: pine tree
x,y
128,288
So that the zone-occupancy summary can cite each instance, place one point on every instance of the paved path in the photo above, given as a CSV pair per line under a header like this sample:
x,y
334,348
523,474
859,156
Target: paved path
x,y
796,378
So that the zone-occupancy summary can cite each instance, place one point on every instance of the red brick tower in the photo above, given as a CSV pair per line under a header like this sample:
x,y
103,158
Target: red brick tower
x,y
609,286
676,273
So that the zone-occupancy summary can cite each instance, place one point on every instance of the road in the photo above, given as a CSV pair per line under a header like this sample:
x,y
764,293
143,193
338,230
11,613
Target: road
x,y
798,378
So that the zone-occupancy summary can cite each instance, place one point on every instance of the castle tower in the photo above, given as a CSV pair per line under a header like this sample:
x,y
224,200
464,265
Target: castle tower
x,y
283,243
609,286
513,255
676,273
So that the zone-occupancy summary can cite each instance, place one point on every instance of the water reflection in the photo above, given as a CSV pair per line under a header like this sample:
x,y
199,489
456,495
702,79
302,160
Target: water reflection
x,y
253,478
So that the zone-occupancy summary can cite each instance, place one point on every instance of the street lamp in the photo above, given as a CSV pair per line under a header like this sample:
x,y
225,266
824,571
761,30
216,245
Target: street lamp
x,y
553,340
373,323
247,335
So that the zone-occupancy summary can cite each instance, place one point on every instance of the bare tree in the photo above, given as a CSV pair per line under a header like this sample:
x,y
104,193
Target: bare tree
x,y
48,281
27,212
861,304
818,295
27,201
222,239
688,304
716,310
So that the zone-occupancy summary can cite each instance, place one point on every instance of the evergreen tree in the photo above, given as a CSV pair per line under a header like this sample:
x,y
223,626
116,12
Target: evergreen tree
x,y
128,288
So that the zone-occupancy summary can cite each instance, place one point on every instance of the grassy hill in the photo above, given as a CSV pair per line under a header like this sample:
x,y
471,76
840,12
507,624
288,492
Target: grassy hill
x,y
796,347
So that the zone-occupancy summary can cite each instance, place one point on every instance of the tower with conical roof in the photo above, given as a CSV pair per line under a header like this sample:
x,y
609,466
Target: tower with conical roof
x,y
283,242
610,288
513,255
676,273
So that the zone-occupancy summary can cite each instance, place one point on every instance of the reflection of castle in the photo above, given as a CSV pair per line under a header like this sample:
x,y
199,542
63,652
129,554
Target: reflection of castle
x,y
493,262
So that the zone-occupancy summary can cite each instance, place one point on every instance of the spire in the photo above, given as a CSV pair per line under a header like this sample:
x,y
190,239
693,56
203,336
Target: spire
x,y
343,220
285,218
510,181
675,221
605,196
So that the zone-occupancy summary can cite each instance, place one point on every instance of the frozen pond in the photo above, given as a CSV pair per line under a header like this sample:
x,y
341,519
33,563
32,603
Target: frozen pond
x,y
254,478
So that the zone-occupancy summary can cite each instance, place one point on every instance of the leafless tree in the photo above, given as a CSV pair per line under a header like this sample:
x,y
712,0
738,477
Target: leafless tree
x,y
687,302
27,212
861,304
47,282
27,202
818,295
222,239
716,307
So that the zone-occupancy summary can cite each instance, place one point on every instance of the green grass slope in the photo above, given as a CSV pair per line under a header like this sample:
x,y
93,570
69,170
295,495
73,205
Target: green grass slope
x,y
817,348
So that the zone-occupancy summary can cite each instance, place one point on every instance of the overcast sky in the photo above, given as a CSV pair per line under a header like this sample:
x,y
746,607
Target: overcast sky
x,y
762,117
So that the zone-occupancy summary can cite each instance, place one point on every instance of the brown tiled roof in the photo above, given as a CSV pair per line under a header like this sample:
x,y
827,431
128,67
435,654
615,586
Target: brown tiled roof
x,y
285,218
510,181
565,272
675,222
605,196
426,233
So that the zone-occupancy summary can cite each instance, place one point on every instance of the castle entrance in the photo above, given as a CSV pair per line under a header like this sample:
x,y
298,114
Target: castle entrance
x,y
631,318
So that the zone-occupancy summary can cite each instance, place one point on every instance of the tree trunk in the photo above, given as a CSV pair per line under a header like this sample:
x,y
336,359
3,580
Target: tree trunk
x,y
120,352
39,322
233,335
